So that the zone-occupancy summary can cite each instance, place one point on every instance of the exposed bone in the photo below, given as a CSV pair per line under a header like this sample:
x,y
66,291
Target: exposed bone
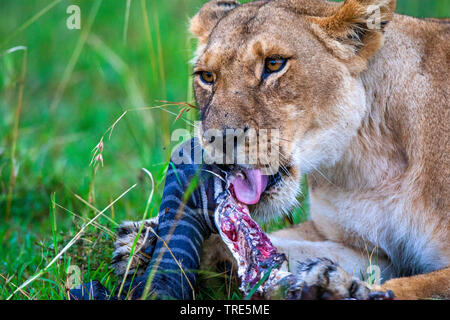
x,y
253,251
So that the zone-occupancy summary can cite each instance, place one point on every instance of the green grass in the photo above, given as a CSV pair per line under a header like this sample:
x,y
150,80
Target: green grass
x,y
57,99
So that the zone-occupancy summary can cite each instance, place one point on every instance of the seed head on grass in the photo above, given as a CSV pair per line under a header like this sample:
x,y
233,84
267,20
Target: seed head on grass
x,y
97,151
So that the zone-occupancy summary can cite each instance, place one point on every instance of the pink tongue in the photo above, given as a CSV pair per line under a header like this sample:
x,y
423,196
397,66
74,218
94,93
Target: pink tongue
x,y
248,189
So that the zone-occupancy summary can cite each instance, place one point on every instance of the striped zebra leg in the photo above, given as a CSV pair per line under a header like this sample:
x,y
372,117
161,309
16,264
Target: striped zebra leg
x,y
185,221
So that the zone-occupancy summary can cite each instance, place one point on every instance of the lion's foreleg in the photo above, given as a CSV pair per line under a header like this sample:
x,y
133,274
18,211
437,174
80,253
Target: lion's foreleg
x,y
434,285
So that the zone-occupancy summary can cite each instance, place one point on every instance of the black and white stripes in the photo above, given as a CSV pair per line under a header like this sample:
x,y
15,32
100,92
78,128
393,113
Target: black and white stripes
x,y
186,220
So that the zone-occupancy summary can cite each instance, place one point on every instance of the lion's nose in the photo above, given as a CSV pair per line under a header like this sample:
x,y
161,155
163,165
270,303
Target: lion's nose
x,y
210,135
225,141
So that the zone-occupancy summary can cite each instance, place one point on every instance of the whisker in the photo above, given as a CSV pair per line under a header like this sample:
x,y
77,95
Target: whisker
x,y
287,140
318,171
217,175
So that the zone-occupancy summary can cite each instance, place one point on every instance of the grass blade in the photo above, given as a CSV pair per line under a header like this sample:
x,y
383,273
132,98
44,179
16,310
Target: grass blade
x,y
125,26
70,244
133,247
13,173
74,58
29,22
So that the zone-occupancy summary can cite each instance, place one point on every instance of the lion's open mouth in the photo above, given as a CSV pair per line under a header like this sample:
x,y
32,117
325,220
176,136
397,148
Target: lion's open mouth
x,y
249,185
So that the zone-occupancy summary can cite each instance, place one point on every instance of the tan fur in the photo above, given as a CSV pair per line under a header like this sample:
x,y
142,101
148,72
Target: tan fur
x,y
364,112
434,285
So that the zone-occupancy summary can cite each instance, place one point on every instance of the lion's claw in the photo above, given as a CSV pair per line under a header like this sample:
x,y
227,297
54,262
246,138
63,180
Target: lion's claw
x,y
379,295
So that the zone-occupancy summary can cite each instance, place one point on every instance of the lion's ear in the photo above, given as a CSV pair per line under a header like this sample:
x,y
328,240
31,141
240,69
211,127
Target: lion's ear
x,y
209,15
355,30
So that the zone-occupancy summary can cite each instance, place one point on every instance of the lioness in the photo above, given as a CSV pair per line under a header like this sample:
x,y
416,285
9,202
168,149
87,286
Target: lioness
x,y
362,109
360,96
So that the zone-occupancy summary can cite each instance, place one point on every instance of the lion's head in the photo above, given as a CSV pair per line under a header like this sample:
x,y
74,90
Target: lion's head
x,y
291,65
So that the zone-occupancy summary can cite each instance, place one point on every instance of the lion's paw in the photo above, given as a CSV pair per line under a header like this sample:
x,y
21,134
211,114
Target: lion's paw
x,y
324,279
126,235
321,278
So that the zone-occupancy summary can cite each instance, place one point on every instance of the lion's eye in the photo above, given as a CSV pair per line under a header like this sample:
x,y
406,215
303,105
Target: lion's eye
x,y
207,77
274,64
